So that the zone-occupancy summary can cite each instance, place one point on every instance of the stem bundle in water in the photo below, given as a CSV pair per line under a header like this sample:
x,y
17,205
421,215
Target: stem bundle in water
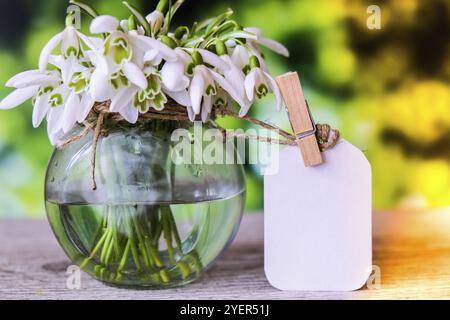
x,y
132,238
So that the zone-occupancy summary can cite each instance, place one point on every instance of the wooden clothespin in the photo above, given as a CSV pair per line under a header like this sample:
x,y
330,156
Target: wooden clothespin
x,y
301,119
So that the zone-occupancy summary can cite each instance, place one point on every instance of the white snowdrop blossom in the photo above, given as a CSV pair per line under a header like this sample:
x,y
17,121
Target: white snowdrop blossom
x,y
34,84
125,53
240,57
236,77
71,42
175,80
273,45
139,65
203,88
156,20
259,83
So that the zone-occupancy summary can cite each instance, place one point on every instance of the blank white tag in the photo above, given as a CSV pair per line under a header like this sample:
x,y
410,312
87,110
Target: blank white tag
x,y
318,221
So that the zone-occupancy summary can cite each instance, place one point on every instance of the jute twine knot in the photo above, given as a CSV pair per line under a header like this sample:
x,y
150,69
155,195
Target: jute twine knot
x,y
327,137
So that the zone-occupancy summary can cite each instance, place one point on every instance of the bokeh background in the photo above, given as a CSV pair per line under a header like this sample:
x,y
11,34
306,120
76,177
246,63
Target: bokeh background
x,y
387,90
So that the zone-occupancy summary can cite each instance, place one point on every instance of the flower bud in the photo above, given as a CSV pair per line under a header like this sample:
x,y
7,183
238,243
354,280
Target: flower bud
x,y
70,19
156,20
131,23
197,58
168,41
254,62
180,32
221,49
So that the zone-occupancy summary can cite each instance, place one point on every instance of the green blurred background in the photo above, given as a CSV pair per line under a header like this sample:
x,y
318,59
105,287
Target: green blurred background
x,y
387,90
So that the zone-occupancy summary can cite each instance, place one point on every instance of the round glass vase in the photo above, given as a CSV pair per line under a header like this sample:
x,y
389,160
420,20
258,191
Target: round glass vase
x,y
152,222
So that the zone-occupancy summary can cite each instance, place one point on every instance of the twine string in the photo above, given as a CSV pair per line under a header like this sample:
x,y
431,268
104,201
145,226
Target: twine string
x,y
97,131
327,137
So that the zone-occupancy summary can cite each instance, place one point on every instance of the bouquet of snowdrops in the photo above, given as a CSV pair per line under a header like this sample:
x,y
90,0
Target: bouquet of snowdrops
x,y
142,63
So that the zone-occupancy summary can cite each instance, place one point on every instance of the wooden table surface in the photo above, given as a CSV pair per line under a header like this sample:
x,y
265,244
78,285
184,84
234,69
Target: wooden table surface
x,y
411,248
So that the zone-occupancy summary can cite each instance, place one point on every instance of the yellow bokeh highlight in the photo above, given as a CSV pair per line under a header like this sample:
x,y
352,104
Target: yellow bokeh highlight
x,y
420,110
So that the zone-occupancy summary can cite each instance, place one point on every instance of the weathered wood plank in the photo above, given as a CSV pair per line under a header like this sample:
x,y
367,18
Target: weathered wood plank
x,y
412,250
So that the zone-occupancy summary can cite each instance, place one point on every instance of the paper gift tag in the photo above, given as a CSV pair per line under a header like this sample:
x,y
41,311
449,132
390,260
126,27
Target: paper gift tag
x,y
317,209
317,222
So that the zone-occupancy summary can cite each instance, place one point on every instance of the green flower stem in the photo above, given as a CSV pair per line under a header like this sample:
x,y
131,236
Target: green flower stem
x,y
106,246
141,244
175,232
86,8
109,252
155,229
123,261
166,225
134,252
116,245
94,252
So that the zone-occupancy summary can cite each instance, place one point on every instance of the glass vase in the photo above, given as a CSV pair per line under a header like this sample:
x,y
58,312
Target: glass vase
x,y
151,223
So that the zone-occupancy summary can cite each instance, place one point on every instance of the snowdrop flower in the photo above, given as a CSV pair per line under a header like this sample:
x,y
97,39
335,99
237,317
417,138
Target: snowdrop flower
x,y
124,53
59,95
273,45
152,96
203,88
259,83
240,57
156,20
71,41
75,76
205,79
260,40
118,53
34,84
78,105
175,82
131,101
56,100
234,74
129,40
64,102
210,58
173,73
222,99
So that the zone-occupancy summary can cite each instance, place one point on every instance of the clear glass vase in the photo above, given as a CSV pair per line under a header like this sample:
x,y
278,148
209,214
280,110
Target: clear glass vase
x,y
151,223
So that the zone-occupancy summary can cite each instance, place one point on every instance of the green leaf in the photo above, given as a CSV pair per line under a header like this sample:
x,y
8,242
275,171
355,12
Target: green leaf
x,y
139,17
167,19
204,23
85,7
131,23
174,8
219,20
181,31
227,26
162,5
194,29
